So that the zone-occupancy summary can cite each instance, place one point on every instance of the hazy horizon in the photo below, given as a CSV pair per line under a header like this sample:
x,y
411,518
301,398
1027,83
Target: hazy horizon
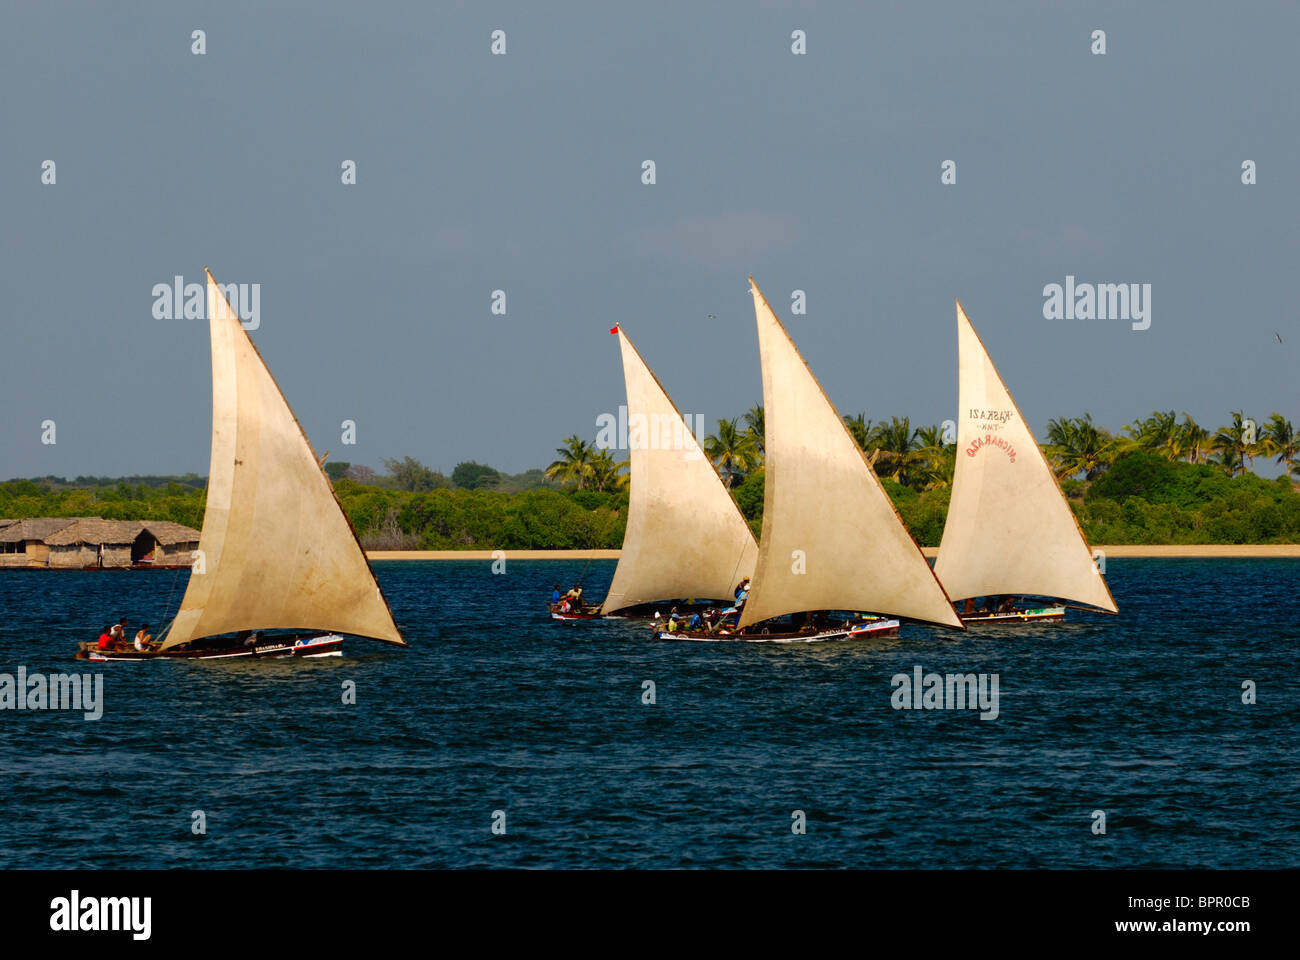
x,y
522,172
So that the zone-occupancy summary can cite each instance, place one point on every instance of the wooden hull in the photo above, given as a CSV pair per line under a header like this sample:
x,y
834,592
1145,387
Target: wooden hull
x,y
640,612
586,613
876,628
330,645
1036,615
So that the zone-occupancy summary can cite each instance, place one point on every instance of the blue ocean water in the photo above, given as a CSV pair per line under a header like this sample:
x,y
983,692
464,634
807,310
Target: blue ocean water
x,y
496,708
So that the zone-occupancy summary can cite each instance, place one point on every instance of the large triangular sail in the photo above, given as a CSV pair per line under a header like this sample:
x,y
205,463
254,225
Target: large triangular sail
x,y
276,550
832,539
1009,530
685,535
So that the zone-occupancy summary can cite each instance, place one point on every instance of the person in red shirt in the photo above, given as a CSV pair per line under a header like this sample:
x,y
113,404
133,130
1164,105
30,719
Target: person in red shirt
x,y
105,639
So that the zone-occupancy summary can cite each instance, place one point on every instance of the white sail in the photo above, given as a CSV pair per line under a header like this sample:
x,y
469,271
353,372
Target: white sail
x,y
832,539
276,550
1009,530
685,536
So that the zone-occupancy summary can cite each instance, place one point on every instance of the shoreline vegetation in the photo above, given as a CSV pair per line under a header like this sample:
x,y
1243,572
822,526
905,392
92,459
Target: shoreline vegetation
x,y
1194,551
1161,482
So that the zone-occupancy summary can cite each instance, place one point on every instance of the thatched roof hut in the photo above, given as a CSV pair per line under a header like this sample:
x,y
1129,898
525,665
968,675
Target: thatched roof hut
x,y
173,543
35,528
22,542
94,530
94,543
168,533
78,542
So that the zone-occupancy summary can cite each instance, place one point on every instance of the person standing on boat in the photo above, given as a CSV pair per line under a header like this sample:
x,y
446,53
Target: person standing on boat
x,y
555,594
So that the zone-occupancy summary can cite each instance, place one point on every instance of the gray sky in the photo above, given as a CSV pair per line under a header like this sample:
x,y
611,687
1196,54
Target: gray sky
x,y
522,172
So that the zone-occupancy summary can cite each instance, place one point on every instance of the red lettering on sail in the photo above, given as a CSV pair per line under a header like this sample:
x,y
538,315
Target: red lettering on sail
x,y
992,440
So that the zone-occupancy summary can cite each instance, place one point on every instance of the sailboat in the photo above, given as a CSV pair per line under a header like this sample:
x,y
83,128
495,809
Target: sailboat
x,y
834,560
1010,532
276,551
686,540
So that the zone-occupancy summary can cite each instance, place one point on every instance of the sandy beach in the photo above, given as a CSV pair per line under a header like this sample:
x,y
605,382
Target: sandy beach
x,y
1196,550
1200,550
492,554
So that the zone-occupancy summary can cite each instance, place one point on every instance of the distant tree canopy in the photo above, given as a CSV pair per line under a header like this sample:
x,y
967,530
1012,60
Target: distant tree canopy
x,y
178,502
469,475
1142,498
484,519
534,479
923,458
410,474
1164,480
56,483
1168,480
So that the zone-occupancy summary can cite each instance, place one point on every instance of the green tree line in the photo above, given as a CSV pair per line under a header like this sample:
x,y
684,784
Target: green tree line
x,y
1162,479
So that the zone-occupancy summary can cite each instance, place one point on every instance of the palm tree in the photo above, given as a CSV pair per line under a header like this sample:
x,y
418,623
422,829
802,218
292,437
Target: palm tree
x,y
930,438
862,431
1280,440
1078,446
756,428
607,474
1232,444
940,459
898,453
732,451
1194,439
1158,433
574,464
1060,447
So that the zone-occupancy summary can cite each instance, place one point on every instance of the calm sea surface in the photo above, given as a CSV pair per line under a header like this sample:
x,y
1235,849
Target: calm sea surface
x,y
496,708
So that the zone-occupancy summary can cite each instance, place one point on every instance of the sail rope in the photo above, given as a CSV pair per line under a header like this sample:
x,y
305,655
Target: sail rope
x,y
739,560
167,606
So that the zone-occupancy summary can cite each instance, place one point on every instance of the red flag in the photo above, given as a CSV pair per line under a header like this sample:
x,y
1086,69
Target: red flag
x,y
614,329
